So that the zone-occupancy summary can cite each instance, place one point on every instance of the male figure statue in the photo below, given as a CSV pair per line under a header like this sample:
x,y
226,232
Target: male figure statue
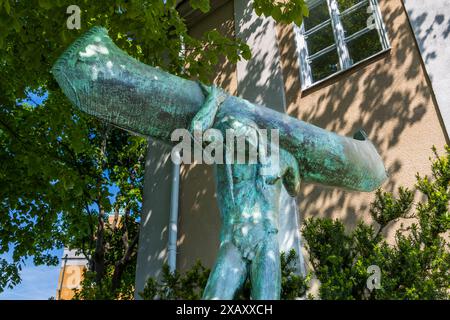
x,y
104,81
249,203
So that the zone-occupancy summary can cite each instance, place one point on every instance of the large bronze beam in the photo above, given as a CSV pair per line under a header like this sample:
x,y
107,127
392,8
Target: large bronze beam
x,y
104,81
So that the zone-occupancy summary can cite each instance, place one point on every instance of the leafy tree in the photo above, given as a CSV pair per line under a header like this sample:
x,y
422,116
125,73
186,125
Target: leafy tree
x,y
120,238
416,267
282,11
58,166
190,286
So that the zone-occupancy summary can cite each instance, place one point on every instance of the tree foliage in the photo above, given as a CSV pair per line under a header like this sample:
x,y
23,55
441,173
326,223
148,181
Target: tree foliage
x,y
417,266
58,166
284,11
62,172
119,263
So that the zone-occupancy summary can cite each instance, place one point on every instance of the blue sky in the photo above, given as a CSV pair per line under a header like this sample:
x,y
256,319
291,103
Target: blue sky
x,y
38,282
34,98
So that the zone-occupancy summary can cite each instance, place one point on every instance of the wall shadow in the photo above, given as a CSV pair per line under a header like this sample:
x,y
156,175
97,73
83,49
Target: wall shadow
x,y
199,217
388,96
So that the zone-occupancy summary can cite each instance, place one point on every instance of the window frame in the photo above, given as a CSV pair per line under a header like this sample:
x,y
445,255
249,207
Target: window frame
x,y
340,40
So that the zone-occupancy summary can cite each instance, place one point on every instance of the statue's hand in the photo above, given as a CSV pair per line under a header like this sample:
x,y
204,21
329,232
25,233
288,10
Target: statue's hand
x,y
291,173
207,90
271,180
204,119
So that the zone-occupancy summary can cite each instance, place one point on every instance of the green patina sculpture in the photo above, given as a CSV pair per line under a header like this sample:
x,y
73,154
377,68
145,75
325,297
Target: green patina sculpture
x,y
104,81
249,205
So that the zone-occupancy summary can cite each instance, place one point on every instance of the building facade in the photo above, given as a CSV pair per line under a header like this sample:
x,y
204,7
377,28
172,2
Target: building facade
x,y
377,65
73,266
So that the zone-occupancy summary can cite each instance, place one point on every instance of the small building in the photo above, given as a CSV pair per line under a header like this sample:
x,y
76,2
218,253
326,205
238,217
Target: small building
x,y
73,266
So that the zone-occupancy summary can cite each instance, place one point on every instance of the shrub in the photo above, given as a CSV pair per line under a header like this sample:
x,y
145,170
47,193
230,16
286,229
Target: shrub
x,y
415,267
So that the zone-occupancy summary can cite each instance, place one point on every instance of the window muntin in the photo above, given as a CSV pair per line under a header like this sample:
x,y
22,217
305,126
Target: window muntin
x,y
337,35
325,65
347,4
320,39
318,13
354,20
364,46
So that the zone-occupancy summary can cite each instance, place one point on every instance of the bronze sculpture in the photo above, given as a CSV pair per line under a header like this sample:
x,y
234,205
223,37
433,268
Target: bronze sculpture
x,y
104,81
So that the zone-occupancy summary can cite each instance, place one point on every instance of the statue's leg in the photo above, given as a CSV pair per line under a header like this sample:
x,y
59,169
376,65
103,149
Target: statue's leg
x,y
228,274
265,272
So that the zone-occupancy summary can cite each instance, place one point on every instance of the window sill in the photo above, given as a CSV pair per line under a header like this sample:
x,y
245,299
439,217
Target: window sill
x,y
356,65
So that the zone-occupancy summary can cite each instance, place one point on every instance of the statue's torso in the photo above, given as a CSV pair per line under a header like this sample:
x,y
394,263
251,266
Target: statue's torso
x,y
249,207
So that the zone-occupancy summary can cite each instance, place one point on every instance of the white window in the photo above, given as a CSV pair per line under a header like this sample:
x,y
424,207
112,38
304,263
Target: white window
x,y
337,35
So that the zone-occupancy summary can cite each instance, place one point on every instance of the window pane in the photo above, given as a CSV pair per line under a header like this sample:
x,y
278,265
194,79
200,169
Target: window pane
x,y
364,46
325,65
357,20
317,14
320,39
345,4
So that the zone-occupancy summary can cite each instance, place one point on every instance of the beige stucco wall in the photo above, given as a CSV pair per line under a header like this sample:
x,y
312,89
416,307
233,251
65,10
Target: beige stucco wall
x,y
390,97
199,222
71,277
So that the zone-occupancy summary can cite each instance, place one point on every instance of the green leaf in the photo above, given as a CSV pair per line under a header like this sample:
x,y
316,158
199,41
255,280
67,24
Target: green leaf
x,y
305,10
7,7
246,53
46,4
258,10
298,20
276,13
202,5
